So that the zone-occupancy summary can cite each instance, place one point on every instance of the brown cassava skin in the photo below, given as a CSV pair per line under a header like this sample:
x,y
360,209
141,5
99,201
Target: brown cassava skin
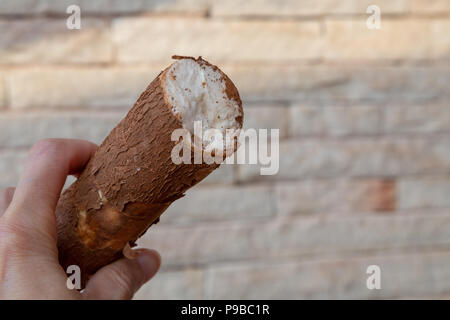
x,y
128,183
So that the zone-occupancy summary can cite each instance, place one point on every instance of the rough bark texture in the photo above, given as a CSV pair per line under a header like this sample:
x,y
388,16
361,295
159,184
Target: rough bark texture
x,y
129,182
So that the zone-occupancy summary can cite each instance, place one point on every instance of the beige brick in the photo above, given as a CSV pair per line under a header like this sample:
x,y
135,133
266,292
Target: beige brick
x,y
303,8
109,6
12,163
296,236
179,285
24,129
278,82
49,40
428,192
177,6
325,196
77,87
427,118
112,87
30,7
357,157
2,94
20,7
266,117
336,85
333,120
413,38
142,6
408,275
221,203
225,174
155,39
430,6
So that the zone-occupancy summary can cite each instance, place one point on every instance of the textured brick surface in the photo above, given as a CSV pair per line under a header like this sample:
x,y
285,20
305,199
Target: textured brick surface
x,y
2,93
357,157
334,121
104,7
120,86
424,192
49,40
296,236
267,117
225,8
427,118
340,84
21,130
423,40
336,196
301,8
364,121
186,284
333,279
438,7
140,40
83,87
225,174
222,203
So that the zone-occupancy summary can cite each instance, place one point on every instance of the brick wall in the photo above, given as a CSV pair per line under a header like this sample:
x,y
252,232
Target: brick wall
x,y
364,120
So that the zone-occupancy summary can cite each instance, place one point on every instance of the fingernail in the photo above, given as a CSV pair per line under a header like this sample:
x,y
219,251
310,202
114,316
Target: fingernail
x,y
149,262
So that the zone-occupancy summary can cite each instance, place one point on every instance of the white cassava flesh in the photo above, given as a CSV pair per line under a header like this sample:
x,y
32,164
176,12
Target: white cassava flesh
x,y
197,92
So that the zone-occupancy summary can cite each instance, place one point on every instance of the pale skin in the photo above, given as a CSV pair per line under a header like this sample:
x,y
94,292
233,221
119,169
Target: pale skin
x,y
29,267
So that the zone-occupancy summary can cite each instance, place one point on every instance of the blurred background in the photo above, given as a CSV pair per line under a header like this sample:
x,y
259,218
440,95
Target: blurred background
x,y
364,119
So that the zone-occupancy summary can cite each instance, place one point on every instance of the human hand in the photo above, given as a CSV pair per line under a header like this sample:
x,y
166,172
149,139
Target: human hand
x,y
29,267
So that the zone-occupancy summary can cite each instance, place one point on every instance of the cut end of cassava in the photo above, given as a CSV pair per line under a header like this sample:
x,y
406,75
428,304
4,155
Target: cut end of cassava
x,y
199,91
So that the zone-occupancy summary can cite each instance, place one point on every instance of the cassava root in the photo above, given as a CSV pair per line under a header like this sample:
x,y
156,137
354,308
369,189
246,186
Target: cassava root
x,y
131,180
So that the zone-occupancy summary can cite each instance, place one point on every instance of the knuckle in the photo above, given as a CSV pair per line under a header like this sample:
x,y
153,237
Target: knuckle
x,y
10,190
3,197
14,239
124,281
7,194
14,247
45,146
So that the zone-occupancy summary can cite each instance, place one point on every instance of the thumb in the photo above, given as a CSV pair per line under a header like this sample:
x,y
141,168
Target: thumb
x,y
121,279
6,197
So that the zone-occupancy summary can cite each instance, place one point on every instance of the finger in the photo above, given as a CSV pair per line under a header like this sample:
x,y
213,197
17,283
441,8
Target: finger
x,y
78,171
6,196
121,279
49,163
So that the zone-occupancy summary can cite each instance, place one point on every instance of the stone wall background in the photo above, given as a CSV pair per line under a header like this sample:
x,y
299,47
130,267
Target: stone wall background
x,y
364,119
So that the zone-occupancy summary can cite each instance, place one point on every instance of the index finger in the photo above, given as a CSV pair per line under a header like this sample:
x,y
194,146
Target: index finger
x,y
49,163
